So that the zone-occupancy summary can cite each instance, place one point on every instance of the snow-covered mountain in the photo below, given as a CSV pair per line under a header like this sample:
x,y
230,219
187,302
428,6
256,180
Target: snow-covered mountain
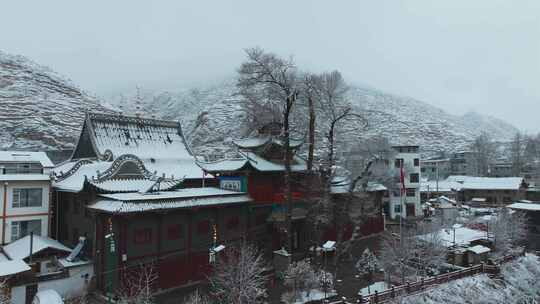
x,y
39,109
212,115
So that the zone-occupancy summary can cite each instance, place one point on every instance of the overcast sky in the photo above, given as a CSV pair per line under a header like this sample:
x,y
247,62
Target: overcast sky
x,y
460,55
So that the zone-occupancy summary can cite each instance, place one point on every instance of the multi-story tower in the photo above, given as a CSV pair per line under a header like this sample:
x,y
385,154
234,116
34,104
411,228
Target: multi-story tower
x,y
406,204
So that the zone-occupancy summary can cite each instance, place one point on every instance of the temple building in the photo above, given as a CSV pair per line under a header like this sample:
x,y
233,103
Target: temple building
x,y
259,171
134,194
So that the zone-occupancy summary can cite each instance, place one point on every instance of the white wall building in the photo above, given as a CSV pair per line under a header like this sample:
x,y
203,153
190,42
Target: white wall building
x,y
24,194
408,205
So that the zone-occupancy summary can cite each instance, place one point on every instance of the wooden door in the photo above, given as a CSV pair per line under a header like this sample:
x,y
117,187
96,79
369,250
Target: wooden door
x,y
410,210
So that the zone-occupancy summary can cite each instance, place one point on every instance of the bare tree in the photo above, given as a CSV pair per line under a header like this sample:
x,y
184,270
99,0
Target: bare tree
x,y
310,94
239,277
396,255
197,298
5,297
138,284
368,265
508,229
300,277
517,157
367,163
270,86
484,149
430,250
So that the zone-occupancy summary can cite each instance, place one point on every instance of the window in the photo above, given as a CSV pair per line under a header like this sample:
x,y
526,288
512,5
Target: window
x,y
411,192
398,162
423,170
433,169
416,162
175,232
414,178
23,168
21,229
233,223
27,197
397,208
143,236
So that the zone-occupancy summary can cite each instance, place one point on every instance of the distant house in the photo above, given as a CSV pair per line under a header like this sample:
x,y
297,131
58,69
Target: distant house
x,y
446,209
436,188
34,264
501,168
25,193
532,210
436,169
464,163
496,191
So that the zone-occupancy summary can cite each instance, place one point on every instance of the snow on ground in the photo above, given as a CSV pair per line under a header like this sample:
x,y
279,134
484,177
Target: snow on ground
x,y
314,295
377,286
519,282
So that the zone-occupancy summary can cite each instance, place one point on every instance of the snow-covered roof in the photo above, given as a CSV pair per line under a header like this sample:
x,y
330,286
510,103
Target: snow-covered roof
x,y
478,199
341,186
479,249
255,161
132,185
159,144
146,138
24,156
443,198
464,236
329,245
20,249
441,186
24,177
487,183
178,199
255,142
13,267
525,206
167,195
71,176
67,264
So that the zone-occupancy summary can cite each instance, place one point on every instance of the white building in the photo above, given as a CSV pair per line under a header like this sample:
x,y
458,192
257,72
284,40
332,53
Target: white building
x,y
407,205
38,264
24,194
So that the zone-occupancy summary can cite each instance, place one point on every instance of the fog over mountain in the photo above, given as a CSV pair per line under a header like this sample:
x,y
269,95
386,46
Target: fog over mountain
x,y
459,55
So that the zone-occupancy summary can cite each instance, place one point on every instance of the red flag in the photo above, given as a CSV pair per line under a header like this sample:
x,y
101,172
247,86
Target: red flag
x,y
402,177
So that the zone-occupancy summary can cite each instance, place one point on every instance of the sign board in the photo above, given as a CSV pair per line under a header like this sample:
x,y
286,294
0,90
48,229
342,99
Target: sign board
x,y
233,183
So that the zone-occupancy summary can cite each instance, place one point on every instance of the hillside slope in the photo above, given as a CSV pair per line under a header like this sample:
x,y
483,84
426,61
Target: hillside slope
x,y
39,109
211,116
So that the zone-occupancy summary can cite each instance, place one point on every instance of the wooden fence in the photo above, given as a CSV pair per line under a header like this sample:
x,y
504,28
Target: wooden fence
x,y
411,288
